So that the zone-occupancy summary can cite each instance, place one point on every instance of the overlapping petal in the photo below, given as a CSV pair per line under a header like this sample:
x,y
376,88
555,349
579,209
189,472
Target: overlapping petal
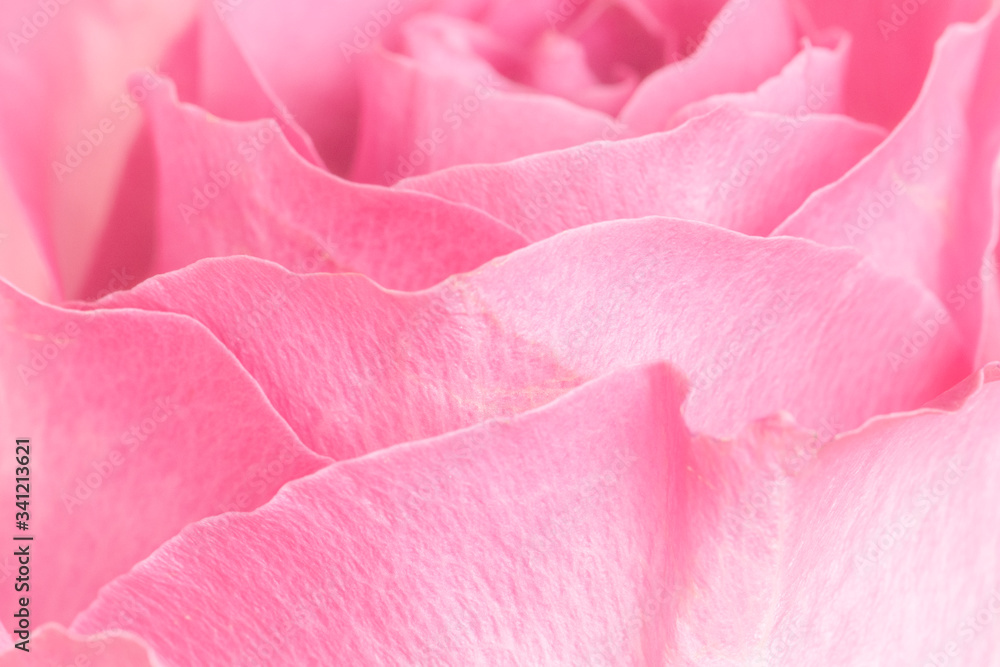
x,y
139,423
525,328
744,171
239,188
553,537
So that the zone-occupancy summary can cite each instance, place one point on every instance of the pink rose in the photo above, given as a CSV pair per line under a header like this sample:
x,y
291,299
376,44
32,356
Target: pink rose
x,y
481,332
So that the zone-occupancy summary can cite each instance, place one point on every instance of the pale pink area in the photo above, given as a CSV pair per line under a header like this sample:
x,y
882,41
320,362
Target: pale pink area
x,y
66,87
750,41
811,83
552,538
140,423
359,368
23,260
920,205
889,549
239,188
893,43
417,119
53,645
744,171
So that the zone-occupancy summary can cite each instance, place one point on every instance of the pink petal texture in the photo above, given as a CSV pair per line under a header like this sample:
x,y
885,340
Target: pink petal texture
x,y
417,118
888,553
596,529
53,645
748,42
69,120
893,43
525,328
539,540
921,204
239,188
744,171
140,423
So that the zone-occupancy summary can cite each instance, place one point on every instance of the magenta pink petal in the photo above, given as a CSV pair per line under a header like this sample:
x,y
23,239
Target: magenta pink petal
x,y
53,645
239,188
210,70
921,204
417,119
550,538
131,420
559,67
749,41
525,328
744,171
893,43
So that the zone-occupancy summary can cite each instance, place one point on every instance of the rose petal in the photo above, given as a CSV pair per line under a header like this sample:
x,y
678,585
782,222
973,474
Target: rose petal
x,y
239,188
24,260
69,75
536,541
812,550
893,44
417,119
744,171
53,645
211,71
748,42
727,309
129,417
811,83
920,204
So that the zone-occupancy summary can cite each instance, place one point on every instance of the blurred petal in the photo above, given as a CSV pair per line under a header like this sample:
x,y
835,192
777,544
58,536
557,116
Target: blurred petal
x,y
748,42
893,43
743,171
69,129
417,119
239,188
811,83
